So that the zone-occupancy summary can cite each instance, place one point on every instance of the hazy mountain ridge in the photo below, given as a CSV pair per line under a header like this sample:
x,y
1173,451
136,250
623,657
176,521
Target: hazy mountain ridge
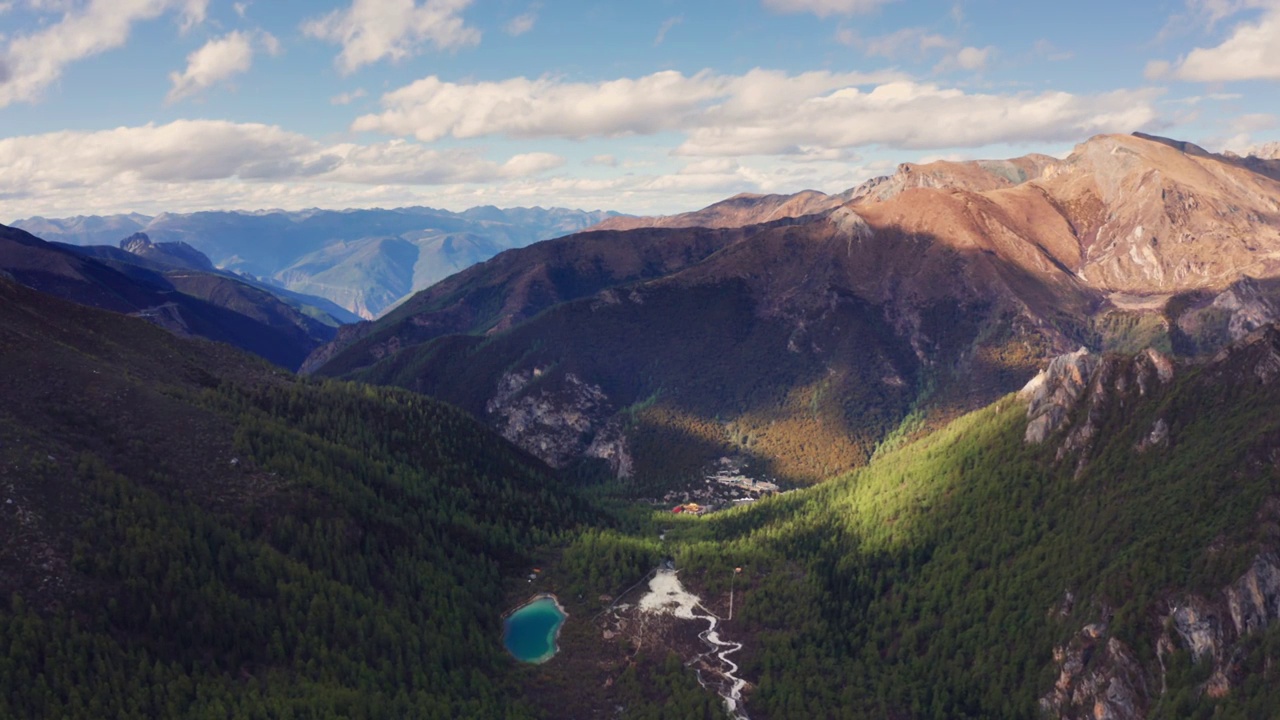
x,y
209,304
336,254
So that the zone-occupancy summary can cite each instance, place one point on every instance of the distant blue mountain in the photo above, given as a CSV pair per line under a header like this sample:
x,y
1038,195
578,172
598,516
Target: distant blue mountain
x,y
365,261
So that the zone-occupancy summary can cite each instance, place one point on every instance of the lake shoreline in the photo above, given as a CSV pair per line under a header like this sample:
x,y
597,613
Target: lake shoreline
x,y
554,641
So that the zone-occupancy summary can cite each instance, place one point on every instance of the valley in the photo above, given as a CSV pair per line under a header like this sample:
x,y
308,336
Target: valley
x,y
963,441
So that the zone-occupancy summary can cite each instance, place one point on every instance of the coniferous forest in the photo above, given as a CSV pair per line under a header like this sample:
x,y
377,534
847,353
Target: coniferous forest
x,y
197,534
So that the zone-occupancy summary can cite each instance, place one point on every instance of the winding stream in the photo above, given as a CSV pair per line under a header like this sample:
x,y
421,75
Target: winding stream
x,y
668,596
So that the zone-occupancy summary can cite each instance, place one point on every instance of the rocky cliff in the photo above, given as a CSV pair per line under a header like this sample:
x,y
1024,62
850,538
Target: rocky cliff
x,y
1100,675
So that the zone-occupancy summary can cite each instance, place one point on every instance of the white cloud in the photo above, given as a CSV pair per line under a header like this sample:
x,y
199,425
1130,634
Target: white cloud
x,y
1214,11
666,27
1157,70
967,58
183,158
36,60
216,61
911,42
1252,52
241,8
269,42
825,8
602,161
371,30
347,98
763,112
918,116
193,13
1254,122
431,108
521,23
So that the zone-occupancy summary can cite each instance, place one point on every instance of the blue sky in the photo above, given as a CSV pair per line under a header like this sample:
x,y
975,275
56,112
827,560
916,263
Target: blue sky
x,y
151,105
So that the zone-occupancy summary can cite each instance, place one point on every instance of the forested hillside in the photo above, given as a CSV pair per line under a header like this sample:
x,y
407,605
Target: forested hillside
x,y
1126,565
188,532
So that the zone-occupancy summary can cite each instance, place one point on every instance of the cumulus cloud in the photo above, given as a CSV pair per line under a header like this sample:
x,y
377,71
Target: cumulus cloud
x,y
157,161
1252,52
216,61
36,60
370,30
825,8
919,116
431,108
761,112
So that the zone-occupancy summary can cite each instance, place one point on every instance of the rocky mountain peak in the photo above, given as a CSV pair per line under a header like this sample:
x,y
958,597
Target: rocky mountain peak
x,y
176,253
1266,151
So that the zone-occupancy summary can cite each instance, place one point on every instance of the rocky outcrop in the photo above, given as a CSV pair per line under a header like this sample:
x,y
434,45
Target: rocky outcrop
x,y
1054,393
1257,355
1098,677
610,445
1082,378
557,419
1211,628
1254,599
1158,437
1209,325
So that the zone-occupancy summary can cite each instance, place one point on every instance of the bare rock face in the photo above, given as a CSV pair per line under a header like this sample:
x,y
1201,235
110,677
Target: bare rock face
x,y
610,445
1096,382
1228,317
1158,437
1198,624
1053,393
556,421
1211,628
1098,677
1254,599
1250,309
1257,355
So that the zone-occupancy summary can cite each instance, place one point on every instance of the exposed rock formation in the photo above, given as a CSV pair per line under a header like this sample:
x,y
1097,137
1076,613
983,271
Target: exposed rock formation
x,y
1098,677
556,423
610,445
1052,394
1211,628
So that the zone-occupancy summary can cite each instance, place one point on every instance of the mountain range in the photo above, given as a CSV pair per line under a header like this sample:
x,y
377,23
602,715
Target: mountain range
x,y
366,261
1022,413
803,332
176,287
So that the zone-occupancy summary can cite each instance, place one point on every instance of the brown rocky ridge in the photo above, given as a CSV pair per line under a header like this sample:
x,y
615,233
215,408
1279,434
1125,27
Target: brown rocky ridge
x,y
927,293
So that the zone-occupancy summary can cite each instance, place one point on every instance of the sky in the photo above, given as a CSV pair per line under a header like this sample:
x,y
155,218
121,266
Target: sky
x,y
116,106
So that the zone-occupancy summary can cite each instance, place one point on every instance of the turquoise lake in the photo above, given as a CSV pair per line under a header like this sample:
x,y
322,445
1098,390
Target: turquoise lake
x,y
530,632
